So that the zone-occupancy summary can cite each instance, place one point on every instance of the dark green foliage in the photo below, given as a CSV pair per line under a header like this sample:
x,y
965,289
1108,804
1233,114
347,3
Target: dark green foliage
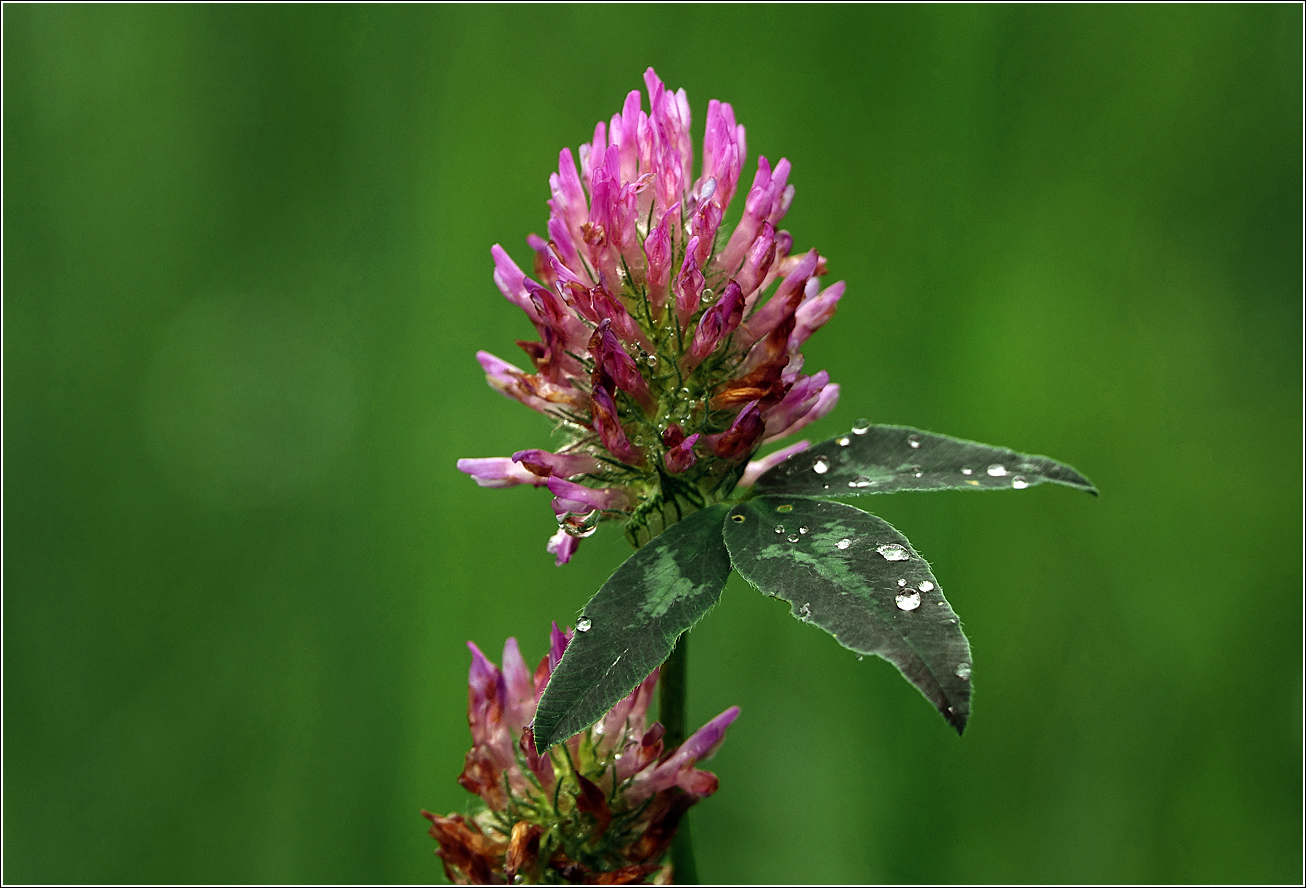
x,y
886,459
860,580
840,568
633,623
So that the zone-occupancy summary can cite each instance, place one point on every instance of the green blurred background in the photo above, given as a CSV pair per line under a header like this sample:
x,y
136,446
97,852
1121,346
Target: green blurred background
x,y
247,268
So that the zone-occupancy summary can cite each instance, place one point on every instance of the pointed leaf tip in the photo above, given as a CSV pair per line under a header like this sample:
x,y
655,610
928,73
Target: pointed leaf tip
x,y
857,578
630,625
886,459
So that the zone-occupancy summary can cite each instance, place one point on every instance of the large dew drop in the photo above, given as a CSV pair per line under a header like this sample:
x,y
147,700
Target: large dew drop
x,y
997,470
583,624
908,601
893,552
581,524
821,466
1019,482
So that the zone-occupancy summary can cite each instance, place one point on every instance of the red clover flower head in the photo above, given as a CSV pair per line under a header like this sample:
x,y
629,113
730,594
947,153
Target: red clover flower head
x,y
660,353
602,807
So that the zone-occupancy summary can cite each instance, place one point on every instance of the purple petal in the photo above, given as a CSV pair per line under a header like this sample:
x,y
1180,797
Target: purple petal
x,y
536,393
486,694
689,284
578,498
543,464
742,436
757,207
563,545
558,641
757,263
703,227
608,425
699,746
681,457
707,739
520,708
796,403
611,358
779,306
512,282
696,782
657,250
723,149
758,467
498,471
717,323
610,308
568,195
824,404
814,313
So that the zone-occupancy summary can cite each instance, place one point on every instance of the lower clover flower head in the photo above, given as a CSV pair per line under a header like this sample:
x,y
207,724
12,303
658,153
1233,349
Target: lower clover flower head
x,y
601,808
660,353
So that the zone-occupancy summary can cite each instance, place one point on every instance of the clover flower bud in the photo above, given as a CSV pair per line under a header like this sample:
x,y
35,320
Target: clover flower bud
x,y
603,807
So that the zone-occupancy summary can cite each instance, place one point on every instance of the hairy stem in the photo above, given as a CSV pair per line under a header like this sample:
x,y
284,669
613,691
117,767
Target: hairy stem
x,y
671,712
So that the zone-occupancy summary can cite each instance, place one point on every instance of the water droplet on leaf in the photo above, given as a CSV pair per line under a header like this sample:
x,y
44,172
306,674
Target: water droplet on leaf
x,y
844,543
893,552
965,470
861,427
902,582
926,586
793,538
860,481
963,671
908,601
779,528
803,529
997,470
1019,482
583,624
821,466
845,441
787,507
914,441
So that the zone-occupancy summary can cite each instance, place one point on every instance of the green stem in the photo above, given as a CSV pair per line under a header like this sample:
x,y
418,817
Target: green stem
x,y
673,683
